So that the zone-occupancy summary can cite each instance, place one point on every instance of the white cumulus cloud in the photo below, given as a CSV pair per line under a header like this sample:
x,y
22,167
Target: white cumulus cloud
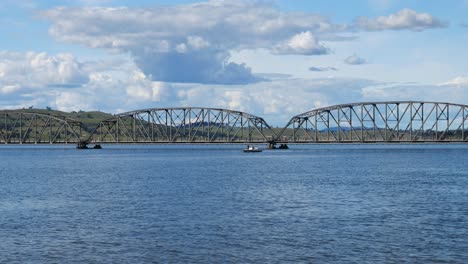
x,y
192,42
355,60
303,43
404,19
74,101
457,81
9,89
32,70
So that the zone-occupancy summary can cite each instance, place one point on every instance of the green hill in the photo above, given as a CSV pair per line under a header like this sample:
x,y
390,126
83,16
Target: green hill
x,y
90,120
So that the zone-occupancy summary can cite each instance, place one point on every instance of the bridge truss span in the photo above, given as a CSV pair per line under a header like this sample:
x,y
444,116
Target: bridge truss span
x,y
35,128
398,121
183,125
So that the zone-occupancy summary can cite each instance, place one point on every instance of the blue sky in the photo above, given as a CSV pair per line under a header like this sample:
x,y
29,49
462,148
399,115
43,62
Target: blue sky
x,y
270,58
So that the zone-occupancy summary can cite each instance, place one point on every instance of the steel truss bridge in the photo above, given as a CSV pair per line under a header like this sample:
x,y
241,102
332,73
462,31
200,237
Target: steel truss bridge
x,y
35,128
370,122
183,125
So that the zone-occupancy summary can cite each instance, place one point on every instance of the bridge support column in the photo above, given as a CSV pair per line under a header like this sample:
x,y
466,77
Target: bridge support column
x,y
272,145
82,144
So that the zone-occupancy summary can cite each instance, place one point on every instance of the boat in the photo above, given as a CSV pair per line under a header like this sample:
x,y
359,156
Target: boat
x,y
251,148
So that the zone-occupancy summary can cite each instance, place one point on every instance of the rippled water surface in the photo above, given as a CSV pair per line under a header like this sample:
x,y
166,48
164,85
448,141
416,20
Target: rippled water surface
x,y
216,204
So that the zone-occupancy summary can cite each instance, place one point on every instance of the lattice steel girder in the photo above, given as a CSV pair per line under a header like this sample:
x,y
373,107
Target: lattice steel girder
x,y
397,121
33,128
183,125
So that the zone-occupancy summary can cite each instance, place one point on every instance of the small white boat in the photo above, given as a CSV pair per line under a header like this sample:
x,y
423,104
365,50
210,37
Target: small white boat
x,y
251,148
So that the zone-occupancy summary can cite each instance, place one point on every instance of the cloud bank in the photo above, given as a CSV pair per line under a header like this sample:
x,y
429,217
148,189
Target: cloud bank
x,y
75,86
175,51
32,70
191,43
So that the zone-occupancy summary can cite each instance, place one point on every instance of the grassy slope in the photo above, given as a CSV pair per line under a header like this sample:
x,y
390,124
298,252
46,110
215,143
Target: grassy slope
x,y
89,119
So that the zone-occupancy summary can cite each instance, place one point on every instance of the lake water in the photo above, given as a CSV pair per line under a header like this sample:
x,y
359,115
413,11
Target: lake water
x,y
216,204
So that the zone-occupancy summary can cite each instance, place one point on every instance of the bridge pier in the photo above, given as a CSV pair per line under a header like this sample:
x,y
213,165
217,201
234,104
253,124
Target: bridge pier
x,y
272,145
82,144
